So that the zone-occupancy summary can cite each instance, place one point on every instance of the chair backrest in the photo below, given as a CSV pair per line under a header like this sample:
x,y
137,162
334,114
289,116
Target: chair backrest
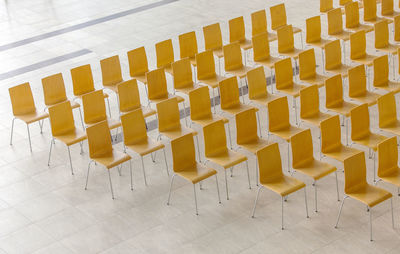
x,y
156,84
61,118
388,157
325,5
22,99
99,140
269,163
357,81
387,7
183,153
214,138
334,91
381,71
355,175
335,21
111,70
236,30
359,122
200,103
387,110
164,53
369,9
344,2
396,25
352,14
283,73
246,126
82,80
381,34
313,29
168,114
232,56
188,44
330,133
307,64
128,94
278,16
285,38
302,148
229,92
94,107
183,76
53,89
357,44
278,114
134,127
257,83
260,46
138,64
205,65
258,22
212,36
333,55
309,101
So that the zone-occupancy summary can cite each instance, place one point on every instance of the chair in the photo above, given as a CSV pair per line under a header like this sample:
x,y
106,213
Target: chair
x,y
331,140
261,52
217,152
370,12
213,41
138,65
307,69
325,6
381,75
129,99
237,34
286,42
185,165
183,77
257,84
272,177
382,39
313,33
279,19
136,139
335,25
388,162
188,46
259,25
358,86
63,128
246,134
24,109
358,52
101,152
396,27
305,162
353,19
357,187
333,59
309,106
165,55
388,121
111,72
387,10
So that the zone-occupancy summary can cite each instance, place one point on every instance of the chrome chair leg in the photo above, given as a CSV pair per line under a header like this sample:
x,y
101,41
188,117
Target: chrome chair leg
x,y
229,135
51,146
130,169
257,180
305,200
259,124
144,171
370,223
87,174
216,181
165,160
170,188
255,201
12,131
337,187
195,198
184,113
80,115
109,108
248,174
315,194
198,147
340,210
29,137
391,208
70,160
111,187
282,212
226,186
231,171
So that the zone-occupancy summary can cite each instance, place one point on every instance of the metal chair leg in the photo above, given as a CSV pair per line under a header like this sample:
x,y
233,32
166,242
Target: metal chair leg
x,y
165,160
288,157
231,171
170,188
226,186
337,187
229,135
282,200
257,180
195,198
184,113
248,174
29,137
153,156
370,223
109,108
219,196
198,147
259,124
315,195
305,200
391,208
80,115
70,160
144,171
87,174
111,187
255,201
340,211
12,131
51,146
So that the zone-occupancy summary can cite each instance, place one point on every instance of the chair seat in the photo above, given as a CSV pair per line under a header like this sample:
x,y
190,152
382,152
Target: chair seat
x,y
245,44
367,60
295,29
372,140
391,86
369,195
112,159
341,152
168,69
390,48
272,36
342,108
344,35
292,53
378,19
264,99
207,120
178,132
212,81
369,97
284,185
287,133
157,100
112,86
391,15
72,137
112,124
146,146
268,62
145,110
319,44
141,78
32,117
315,169
318,80
291,90
193,61
392,128
75,104
240,72
341,69
255,145
392,177
187,89
227,158
315,119
79,96
366,28
197,174
218,52
238,108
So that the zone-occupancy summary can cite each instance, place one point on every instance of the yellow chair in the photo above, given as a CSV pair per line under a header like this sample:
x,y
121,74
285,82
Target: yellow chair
x,y
353,19
387,10
396,27
257,84
307,69
279,19
370,12
213,41
272,177
331,140
382,39
313,33
261,51
185,165
344,2
358,86
358,52
246,134
335,25
309,106
183,76
129,99
381,75
63,128
388,121
325,6
217,152
259,25
286,42
165,55
237,34
305,163
24,109
111,72
357,187
136,139
101,152
333,59
388,159
188,46
138,65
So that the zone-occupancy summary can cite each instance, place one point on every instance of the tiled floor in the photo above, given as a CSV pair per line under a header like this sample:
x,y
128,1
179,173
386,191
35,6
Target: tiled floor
x,y
46,210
